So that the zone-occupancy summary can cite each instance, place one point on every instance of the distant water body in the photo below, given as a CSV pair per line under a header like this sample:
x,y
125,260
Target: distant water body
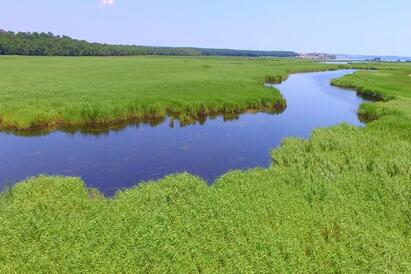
x,y
346,57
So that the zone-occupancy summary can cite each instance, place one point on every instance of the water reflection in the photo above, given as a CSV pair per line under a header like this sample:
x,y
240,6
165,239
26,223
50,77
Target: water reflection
x,y
122,155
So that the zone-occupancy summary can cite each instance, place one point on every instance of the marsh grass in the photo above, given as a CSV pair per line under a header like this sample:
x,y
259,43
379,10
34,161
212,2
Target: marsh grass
x,y
55,92
339,202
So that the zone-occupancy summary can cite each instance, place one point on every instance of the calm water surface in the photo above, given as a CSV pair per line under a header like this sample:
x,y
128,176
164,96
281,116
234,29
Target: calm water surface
x,y
122,158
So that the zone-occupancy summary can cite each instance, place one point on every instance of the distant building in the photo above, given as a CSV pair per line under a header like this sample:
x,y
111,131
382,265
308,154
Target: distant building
x,y
317,56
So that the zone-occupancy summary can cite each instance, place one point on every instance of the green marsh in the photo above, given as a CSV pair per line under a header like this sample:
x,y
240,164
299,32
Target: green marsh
x,y
338,202
49,92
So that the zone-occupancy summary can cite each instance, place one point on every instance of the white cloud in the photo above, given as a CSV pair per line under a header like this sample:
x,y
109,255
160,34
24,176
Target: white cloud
x,y
105,3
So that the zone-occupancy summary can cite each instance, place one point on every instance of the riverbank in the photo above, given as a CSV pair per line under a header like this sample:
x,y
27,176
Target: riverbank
x,y
338,202
120,157
58,92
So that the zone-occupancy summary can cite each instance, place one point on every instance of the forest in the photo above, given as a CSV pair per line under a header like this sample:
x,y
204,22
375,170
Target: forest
x,y
48,44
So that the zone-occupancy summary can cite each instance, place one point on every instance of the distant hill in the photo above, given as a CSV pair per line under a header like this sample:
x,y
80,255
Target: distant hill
x,y
48,44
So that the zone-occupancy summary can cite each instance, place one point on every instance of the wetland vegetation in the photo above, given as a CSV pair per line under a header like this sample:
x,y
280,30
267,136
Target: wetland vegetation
x,y
51,92
112,158
337,202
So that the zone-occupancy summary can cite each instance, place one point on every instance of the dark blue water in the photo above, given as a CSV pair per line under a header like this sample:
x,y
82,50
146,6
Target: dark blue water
x,y
121,158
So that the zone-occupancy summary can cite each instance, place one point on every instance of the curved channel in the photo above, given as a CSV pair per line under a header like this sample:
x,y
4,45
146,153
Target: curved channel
x,y
122,158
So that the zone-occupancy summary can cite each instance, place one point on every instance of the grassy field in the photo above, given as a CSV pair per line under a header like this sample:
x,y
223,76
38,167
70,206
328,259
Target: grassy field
x,y
55,91
339,202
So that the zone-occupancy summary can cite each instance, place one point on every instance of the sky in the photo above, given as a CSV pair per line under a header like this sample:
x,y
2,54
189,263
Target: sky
x,y
375,27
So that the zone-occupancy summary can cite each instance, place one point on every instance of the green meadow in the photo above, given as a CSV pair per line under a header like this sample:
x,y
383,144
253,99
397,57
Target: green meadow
x,y
48,92
339,202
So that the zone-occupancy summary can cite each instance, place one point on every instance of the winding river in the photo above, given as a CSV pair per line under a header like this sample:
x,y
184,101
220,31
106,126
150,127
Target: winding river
x,y
120,158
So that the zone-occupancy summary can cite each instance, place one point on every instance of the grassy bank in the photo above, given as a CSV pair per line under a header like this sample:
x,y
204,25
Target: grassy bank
x,y
51,92
338,202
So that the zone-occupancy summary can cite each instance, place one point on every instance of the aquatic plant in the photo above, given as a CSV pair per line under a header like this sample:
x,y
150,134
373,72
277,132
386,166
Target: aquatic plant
x,y
52,92
337,202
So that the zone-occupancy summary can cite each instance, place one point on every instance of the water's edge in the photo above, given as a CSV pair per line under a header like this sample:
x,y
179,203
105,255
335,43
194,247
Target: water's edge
x,y
121,156
94,127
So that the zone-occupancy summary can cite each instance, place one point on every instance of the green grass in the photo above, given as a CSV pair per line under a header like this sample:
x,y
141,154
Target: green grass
x,y
339,202
56,91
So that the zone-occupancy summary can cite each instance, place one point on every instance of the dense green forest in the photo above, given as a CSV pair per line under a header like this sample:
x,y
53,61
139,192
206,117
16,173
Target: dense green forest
x,y
26,43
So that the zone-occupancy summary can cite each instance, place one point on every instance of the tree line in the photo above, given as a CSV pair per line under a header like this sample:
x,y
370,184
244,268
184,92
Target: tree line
x,y
48,44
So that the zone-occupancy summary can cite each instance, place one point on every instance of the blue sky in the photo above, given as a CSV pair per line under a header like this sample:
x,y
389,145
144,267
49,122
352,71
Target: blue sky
x,y
381,27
